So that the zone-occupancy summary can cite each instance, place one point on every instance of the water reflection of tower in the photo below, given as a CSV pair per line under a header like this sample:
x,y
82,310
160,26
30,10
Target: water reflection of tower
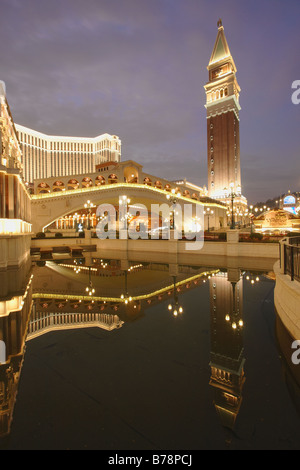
x,y
227,351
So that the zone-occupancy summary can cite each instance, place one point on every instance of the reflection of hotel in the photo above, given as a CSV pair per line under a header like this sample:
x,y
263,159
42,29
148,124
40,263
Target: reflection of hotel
x,y
46,156
227,351
15,307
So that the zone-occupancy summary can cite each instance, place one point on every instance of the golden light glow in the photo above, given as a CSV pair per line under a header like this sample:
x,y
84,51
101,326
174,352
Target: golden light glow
x,y
121,186
118,299
14,227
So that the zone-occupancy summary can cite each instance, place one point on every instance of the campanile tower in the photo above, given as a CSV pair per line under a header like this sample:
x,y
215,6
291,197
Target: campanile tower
x,y
223,124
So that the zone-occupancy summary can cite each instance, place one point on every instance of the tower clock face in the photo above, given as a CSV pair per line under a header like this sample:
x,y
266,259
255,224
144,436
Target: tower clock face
x,y
218,72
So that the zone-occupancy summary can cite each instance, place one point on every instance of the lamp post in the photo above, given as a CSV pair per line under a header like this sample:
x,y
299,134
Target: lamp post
x,y
232,194
89,205
208,212
173,198
124,215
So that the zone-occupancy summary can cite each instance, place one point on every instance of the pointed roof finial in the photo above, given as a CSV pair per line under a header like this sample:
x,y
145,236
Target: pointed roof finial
x,y
221,49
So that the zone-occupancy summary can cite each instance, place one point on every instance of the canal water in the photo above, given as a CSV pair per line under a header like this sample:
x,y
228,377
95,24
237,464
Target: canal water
x,y
122,355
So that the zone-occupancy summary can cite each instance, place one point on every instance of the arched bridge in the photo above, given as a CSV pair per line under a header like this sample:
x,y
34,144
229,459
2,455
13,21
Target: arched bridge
x,y
46,208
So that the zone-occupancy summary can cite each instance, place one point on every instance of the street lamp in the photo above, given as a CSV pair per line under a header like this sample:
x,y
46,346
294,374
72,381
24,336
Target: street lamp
x,y
208,212
173,198
89,205
232,196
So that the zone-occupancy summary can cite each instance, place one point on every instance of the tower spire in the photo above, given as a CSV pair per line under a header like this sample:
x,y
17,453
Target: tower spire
x,y
221,49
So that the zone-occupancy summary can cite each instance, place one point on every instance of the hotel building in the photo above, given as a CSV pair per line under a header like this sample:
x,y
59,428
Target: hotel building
x,y
46,156
15,202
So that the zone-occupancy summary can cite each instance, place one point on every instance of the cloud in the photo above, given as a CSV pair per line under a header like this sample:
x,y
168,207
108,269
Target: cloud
x,y
136,68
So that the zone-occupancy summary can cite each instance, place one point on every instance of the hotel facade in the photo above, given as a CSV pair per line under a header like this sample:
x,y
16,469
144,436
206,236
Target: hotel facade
x,y
15,201
47,156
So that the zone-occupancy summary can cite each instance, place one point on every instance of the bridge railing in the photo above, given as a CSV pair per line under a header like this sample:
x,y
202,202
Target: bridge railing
x,y
290,257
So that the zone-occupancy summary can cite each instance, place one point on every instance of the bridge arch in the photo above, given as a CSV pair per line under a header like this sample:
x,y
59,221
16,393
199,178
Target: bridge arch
x,y
87,182
131,174
43,188
58,186
148,181
100,180
112,179
73,184
47,208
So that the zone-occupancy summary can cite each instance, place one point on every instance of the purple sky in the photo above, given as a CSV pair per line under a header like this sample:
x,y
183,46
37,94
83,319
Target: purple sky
x,y
136,68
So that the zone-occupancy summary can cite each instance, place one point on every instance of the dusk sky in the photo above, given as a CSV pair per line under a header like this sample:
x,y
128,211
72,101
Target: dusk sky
x,y
136,68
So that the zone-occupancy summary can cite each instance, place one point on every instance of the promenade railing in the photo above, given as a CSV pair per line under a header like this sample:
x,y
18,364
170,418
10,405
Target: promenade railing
x,y
290,257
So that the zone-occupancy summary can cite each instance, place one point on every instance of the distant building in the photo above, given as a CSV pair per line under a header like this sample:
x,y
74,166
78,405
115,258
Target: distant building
x,y
46,156
277,221
290,203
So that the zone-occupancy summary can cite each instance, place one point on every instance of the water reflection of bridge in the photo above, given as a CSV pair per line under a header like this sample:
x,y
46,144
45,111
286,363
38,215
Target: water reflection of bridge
x,y
61,300
124,290
147,284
